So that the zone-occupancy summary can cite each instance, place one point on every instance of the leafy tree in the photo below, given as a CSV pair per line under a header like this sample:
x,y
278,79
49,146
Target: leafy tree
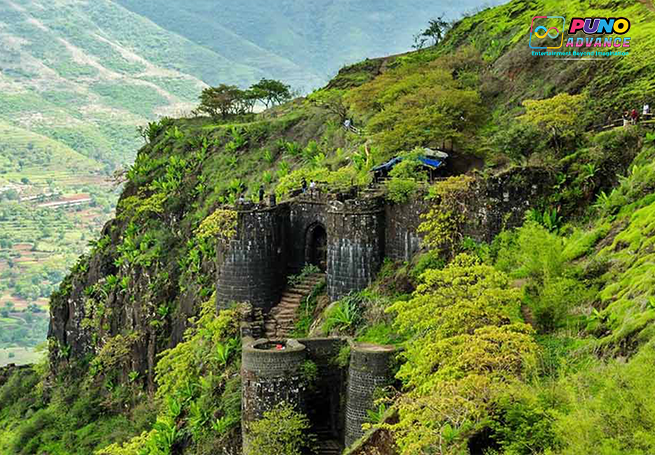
x,y
271,92
420,109
465,347
221,101
436,30
332,100
282,431
559,115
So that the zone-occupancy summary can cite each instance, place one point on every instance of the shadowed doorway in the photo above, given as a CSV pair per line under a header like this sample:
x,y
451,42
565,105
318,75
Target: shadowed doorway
x,y
316,247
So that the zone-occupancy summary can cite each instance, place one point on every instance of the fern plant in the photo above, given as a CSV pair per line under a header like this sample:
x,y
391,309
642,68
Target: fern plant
x,y
268,156
345,316
376,416
224,350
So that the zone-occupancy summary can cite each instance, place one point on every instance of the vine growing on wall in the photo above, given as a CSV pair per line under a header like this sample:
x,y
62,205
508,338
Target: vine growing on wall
x,y
442,225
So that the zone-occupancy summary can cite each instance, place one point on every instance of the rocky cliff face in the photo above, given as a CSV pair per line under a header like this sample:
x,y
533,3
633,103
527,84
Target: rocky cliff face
x,y
132,296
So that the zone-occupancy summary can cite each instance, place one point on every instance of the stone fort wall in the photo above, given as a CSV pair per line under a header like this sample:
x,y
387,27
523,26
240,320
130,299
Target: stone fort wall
x,y
336,402
274,242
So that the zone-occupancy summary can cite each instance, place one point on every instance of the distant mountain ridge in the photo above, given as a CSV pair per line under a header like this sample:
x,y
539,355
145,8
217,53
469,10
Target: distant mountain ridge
x,y
78,76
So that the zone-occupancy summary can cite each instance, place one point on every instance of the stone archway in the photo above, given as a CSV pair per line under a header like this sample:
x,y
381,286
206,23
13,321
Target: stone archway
x,y
316,246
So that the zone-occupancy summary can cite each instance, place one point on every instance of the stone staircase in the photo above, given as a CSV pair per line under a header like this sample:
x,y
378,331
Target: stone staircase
x,y
282,319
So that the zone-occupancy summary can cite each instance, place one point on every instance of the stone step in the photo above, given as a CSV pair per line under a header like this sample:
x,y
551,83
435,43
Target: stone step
x,y
286,302
282,318
286,309
286,321
329,448
294,295
303,287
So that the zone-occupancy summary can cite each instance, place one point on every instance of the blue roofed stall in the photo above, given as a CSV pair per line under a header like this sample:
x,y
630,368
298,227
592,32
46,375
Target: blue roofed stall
x,y
433,161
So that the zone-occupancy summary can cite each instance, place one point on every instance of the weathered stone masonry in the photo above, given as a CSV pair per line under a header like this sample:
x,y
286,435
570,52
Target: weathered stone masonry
x,y
336,403
370,369
252,268
272,243
355,244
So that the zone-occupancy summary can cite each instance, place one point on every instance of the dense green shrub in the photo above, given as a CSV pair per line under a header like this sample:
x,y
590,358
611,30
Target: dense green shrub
x,y
520,140
345,315
281,431
464,348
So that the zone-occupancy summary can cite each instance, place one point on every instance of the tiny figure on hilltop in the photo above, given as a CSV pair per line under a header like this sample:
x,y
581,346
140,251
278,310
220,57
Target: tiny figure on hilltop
x,y
261,193
303,184
646,109
634,116
626,118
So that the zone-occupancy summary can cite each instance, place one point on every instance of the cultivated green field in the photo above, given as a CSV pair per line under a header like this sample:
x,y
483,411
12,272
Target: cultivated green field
x,y
19,356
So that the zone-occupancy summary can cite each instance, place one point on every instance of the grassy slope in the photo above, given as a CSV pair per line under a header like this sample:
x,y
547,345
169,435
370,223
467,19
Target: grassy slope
x,y
619,237
500,34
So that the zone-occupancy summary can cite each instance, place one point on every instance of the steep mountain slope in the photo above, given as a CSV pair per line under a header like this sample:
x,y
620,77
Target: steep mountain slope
x,y
78,77
282,37
540,341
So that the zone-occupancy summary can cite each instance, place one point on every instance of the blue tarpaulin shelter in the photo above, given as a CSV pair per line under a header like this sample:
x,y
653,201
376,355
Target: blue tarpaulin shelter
x,y
432,163
386,167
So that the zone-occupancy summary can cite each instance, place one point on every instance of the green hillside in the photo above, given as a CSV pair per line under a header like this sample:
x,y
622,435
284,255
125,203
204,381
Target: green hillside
x,y
535,340
78,78
290,39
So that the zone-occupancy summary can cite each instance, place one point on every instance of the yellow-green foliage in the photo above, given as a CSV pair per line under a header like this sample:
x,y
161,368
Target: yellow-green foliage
x,y
184,365
531,252
135,446
630,295
282,431
115,354
341,179
442,225
465,345
138,206
635,190
541,258
610,410
416,105
196,387
559,114
220,224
